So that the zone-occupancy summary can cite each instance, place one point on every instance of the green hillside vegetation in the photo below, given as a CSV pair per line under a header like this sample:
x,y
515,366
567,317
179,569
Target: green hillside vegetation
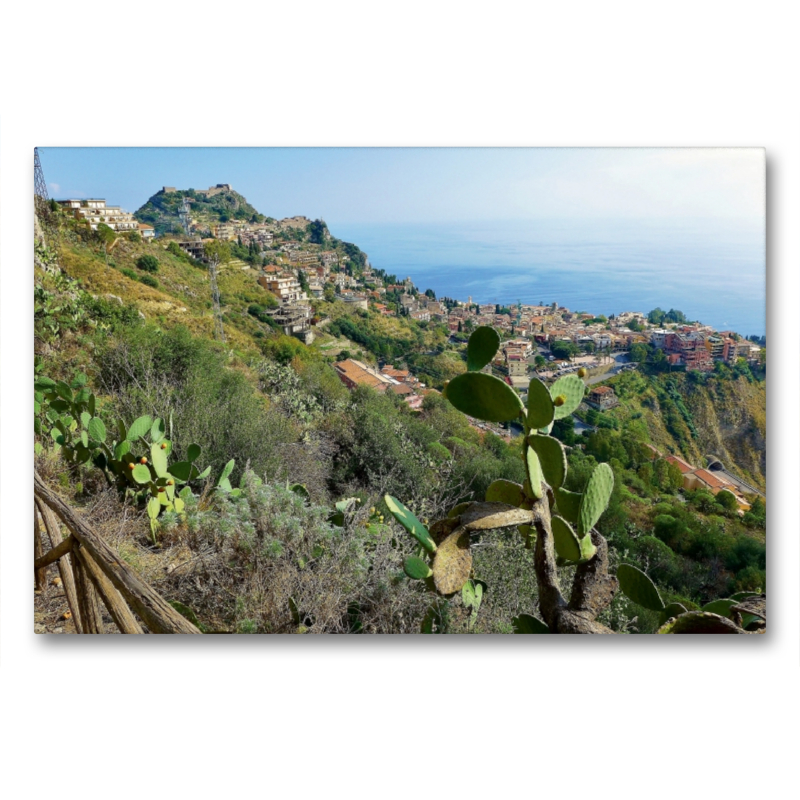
x,y
695,416
162,209
258,557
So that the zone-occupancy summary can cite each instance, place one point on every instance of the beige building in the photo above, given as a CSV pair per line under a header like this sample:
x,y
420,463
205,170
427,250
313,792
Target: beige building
x,y
94,211
285,287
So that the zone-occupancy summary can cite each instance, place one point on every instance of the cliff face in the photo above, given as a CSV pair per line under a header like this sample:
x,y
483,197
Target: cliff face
x,y
731,422
694,419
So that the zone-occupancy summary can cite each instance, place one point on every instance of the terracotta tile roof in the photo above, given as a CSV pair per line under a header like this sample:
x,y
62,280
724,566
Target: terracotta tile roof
x,y
680,464
359,374
712,480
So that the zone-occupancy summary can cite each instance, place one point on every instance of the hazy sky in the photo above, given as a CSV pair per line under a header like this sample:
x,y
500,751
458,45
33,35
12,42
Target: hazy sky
x,y
380,185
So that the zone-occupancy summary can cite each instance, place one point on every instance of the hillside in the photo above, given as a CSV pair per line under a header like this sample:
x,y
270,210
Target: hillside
x,y
266,560
694,418
162,209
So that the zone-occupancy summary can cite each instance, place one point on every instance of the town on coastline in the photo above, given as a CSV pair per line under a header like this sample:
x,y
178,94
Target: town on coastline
x,y
546,340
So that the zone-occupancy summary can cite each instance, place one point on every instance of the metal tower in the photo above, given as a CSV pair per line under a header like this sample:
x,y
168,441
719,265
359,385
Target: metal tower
x,y
185,214
219,331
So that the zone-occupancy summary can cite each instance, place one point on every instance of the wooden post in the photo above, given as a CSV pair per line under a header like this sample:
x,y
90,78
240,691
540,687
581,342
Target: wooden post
x,y
87,597
40,572
158,615
114,602
64,565
53,555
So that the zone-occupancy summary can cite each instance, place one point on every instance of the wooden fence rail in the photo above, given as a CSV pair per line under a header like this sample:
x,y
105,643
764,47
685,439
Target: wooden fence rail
x,y
92,572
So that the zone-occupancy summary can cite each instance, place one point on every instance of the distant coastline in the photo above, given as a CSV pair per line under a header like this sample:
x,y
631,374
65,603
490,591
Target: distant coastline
x,y
715,274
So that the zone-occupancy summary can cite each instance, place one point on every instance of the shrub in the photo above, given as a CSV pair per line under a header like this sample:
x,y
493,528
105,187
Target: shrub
x,y
129,273
149,280
147,263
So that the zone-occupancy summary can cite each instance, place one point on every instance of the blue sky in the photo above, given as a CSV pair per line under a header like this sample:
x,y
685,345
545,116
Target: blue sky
x,y
407,185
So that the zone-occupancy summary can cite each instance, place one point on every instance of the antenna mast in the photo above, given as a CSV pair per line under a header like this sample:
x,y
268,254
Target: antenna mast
x,y
185,214
219,331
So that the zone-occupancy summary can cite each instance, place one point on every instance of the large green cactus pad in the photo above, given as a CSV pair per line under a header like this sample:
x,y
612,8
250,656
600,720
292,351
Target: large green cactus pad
x,y
526,623
595,498
416,568
452,563
567,544
141,474
700,622
159,459
721,607
140,427
639,588
572,389
535,476
97,430
481,348
503,491
484,397
568,504
540,405
410,523
552,457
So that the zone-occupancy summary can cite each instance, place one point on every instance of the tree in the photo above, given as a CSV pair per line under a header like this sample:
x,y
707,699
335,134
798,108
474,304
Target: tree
x,y
539,362
301,277
639,352
107,237
217,252
147,263
564,350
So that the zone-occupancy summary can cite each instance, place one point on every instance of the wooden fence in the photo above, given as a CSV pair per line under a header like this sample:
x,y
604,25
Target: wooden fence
x,y
92,573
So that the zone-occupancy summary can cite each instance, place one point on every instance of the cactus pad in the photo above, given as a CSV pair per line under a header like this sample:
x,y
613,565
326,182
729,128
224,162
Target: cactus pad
x,y
153,507
452,563
193,452
568,504
489,516
639,588
540,405
140,427
416,569
159,459
572,389
503,491
97,430
158,430
525,623
595,498
552,457
567,543
672,610
481,348
588,548
141,474
484,397
410,523
181,471
700,622
721,607
535,476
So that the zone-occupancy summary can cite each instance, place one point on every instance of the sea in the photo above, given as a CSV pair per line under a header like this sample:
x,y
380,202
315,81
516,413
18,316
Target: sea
x,y
712,270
